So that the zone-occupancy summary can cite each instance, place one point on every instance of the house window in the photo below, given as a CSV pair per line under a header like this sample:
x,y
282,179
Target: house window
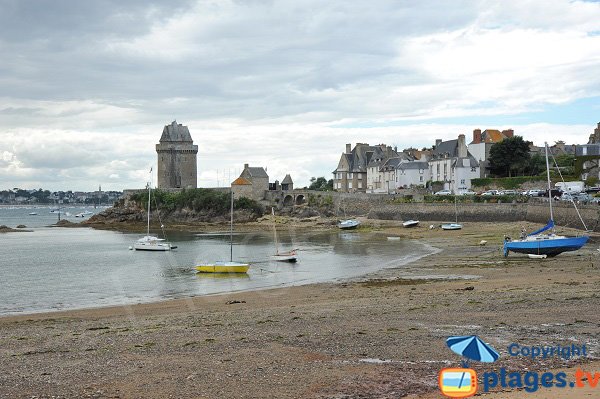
x,y
421,171
421,179
473,169
462,181
350,184
349,175
359,184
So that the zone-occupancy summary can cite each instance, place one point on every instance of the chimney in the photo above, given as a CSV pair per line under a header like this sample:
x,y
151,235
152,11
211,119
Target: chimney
x,y
508,133
348,148
438,142
245,166
476,136
462,146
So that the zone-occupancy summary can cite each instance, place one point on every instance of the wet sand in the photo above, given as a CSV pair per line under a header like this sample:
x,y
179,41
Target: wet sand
x,y
382,336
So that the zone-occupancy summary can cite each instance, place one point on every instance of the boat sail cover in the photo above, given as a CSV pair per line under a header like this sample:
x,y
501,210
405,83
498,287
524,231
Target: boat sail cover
x,y
546,227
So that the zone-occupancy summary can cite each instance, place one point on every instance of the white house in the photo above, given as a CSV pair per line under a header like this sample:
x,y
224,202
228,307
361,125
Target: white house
x,y
452,164
412,174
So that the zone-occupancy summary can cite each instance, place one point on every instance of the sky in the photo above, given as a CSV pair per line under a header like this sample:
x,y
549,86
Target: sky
x,y
86,87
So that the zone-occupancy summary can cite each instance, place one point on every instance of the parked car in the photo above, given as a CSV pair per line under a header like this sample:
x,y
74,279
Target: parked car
x,y
467,192
534,192
490,192
508,192
444,192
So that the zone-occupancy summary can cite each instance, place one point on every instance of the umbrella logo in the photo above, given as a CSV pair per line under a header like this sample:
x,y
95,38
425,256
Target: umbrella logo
x,y
472,348
462,382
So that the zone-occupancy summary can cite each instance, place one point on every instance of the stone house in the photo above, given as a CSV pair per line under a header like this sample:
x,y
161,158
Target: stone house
x,y
590,155
453,164
351,174
252,183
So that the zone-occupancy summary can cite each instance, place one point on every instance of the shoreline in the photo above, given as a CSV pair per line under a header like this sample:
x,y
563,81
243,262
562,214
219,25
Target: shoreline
x,y
315,341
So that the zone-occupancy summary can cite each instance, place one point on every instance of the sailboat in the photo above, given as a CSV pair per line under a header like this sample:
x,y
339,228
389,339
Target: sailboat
x,y
225,266
348,224
541,243
289,256
453,226
148,242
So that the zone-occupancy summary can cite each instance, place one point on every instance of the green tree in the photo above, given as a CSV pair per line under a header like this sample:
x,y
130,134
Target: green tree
x,y
320,184
509,157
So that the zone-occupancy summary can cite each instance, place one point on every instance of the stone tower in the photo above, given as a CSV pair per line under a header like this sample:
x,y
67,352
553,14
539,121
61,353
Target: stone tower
x,y
177,156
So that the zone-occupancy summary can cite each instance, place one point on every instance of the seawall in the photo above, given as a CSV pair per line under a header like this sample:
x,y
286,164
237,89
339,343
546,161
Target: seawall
x,y
382,207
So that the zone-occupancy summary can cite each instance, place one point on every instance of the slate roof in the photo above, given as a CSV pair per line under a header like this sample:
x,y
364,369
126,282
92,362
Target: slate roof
x,y
287,180
449,147
257,172
176,132
414,165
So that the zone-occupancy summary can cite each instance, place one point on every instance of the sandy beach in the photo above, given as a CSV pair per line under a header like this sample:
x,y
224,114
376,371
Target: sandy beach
x,y
381,336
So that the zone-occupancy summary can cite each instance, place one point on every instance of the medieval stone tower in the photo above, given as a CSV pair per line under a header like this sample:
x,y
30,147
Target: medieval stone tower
x,y
177,158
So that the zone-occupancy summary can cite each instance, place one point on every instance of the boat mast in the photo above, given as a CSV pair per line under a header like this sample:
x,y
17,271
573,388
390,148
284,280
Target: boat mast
x,y
275,232
455,210
148,228
549,185
231,231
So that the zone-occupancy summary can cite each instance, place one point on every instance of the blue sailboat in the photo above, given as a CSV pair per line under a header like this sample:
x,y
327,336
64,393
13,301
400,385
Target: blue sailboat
x,y
545,241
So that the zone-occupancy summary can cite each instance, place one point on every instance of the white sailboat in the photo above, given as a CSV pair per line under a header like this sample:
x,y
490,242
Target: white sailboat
x,y
225,266
287,256
456,225
149,242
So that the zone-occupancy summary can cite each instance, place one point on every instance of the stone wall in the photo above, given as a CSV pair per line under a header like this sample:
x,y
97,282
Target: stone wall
x,y
381,207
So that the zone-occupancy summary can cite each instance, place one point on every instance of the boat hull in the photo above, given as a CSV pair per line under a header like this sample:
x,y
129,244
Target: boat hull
x,y
285,258
410,223
451,226
547,246
223,267
152,246
348,224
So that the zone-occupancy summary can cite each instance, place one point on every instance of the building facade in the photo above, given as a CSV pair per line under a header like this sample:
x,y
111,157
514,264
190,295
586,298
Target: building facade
x,y
252,183
177,158
453,165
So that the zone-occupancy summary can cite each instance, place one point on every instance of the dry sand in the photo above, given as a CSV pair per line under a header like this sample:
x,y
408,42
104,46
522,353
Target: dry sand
x,y
382,337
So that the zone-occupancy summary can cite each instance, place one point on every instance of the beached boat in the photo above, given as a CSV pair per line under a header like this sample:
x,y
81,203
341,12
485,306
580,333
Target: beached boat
x,y
540,242
451,226
455,225
225,266
348,224
410,223
148,242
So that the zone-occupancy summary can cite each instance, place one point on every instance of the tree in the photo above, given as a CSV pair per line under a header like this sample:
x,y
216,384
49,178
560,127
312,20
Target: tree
x,y
509,157
320,184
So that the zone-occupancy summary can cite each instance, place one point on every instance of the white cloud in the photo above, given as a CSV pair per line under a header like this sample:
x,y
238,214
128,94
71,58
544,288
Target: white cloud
x,y
278,84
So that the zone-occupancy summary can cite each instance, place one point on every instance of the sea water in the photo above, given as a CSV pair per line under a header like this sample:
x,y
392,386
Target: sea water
x,y
51,268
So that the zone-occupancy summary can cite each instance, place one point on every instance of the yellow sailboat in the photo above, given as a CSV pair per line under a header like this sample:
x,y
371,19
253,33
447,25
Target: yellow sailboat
x,y
225,266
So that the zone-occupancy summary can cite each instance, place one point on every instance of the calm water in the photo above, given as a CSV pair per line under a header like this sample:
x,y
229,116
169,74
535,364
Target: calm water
x,y
61,268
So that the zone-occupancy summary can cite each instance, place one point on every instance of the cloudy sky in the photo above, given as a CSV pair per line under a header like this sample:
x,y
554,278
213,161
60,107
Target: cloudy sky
x,y
87,86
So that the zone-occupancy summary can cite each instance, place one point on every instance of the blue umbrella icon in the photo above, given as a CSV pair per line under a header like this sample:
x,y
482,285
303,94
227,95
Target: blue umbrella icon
x,y
473,348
